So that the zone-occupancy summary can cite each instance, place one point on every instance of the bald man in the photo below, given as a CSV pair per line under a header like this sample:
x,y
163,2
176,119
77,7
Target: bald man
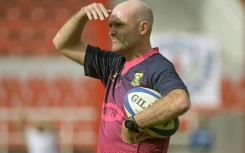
x,y
130,24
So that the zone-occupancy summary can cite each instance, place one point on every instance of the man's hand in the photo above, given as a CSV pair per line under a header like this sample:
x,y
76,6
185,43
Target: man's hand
x,y
95,11
131,137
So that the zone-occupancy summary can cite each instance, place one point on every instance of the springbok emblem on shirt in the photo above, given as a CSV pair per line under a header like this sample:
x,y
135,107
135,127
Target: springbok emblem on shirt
x,y
137,77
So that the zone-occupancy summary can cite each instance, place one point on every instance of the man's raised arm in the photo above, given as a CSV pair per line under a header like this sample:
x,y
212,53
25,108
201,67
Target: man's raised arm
x,y
68,39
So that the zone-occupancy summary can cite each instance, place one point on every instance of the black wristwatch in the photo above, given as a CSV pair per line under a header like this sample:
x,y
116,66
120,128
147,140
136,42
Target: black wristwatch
x,y
131,125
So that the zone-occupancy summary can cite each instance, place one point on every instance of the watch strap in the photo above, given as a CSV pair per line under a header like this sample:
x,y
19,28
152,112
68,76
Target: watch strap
x,y
135,124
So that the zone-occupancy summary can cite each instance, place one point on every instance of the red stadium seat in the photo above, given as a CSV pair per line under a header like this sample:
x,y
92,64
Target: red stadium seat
x,y
61,15
64,84
11,91
4,98
13,14
37,90
55,96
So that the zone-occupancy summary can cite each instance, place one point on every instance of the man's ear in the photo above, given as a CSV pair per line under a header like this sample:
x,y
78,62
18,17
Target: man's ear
x,y
144,27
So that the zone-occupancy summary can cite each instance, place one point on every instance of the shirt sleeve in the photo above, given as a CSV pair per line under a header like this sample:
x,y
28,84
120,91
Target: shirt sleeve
x,y
165,78
99,63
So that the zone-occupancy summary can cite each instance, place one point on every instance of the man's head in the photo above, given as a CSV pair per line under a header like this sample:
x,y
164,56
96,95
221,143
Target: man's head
x,y
130,25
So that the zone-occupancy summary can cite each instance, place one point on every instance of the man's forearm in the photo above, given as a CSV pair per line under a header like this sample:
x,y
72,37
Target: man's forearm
x,y
167,108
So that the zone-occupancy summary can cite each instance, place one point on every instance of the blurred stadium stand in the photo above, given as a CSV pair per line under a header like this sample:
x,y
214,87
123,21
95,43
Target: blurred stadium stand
x,y
27,27
60,98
